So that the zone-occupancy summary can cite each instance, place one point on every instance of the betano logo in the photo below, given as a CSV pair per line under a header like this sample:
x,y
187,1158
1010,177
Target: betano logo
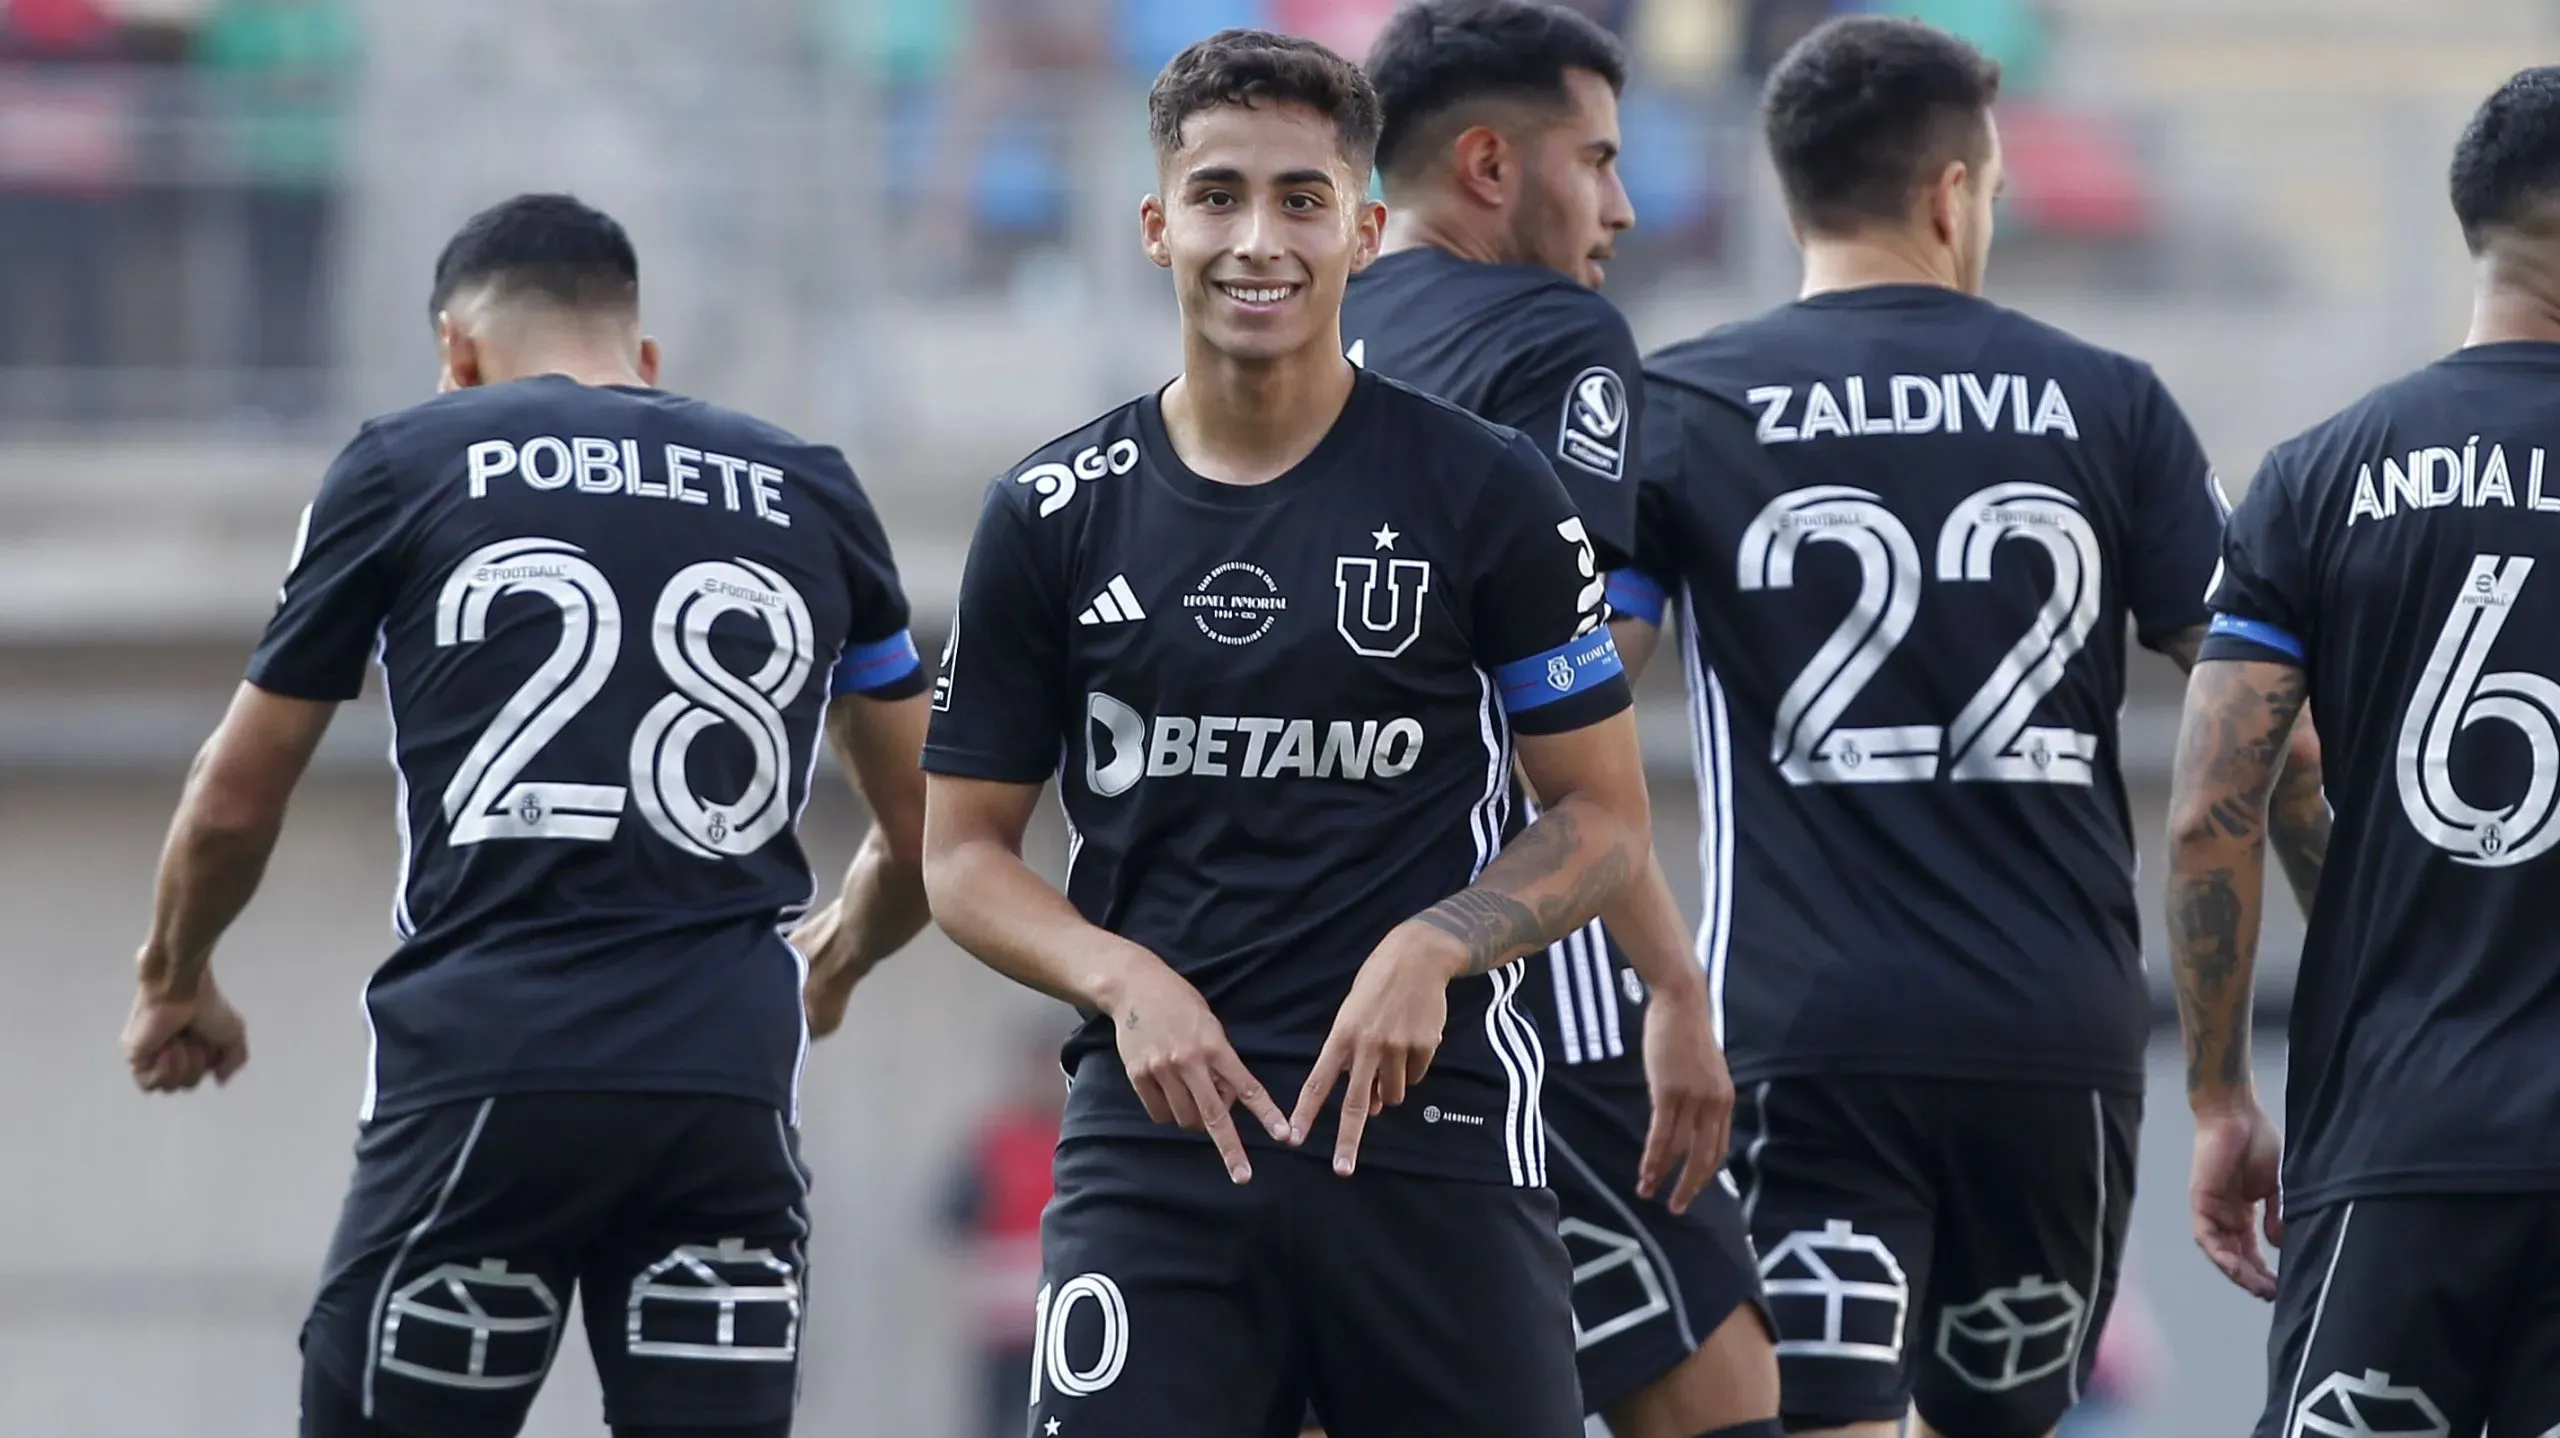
x,y
1123,746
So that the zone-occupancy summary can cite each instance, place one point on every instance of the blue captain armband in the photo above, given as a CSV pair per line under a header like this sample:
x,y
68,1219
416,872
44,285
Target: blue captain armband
x,y
1634,594
2232,637
881,664
1583,664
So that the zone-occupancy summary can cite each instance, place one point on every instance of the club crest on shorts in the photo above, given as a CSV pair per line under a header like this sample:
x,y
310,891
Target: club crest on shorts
x,y
2371,1406
721,1303
1593,434
1615,1285
1377,607
2010,1337
463,1326
1836,1293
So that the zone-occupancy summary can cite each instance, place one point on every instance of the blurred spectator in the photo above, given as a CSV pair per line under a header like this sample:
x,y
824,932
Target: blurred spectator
x,y
1771,27
2009,31
279,72
2127,1370
67,160
1345,26
993,1209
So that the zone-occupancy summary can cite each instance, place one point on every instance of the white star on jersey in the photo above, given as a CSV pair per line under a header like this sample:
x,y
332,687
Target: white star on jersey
x,y
1386,536
1050,1428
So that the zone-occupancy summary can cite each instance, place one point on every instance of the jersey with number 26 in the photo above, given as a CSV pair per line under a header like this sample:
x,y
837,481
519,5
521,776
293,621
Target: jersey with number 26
x,y
608,622
1910,526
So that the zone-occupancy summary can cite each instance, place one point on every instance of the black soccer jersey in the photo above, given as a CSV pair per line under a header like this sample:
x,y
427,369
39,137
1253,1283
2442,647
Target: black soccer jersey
x,y
1281,716
2399,553
1908,526
606,620
1524,347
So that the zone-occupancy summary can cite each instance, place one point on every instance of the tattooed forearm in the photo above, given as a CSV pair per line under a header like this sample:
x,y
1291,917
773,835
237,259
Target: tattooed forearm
x,y
2298,819
2239,717
1549,882
2206,917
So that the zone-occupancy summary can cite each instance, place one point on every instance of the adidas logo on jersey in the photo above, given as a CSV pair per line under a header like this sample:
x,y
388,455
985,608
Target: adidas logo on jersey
x,y
1116,604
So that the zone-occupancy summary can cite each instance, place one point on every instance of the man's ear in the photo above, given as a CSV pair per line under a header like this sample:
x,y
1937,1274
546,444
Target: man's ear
x,y
649,357
1151,222
1484,165
1947,201
460,354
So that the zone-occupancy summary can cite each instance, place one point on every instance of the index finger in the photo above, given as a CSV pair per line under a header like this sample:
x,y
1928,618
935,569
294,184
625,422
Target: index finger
x,y
1220,1123
1319,1085
1255,1098
1658,1138
1356,1096
1706,1156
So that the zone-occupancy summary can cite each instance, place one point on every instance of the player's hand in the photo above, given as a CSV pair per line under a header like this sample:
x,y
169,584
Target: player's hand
x,y
1692,1096
1182,1066
829,989
2231,1195
172,1043
1385,1036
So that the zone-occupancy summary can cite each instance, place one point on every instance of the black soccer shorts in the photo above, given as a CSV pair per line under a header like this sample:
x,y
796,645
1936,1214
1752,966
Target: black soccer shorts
x,y
1947,1244
1648,1285
682,1221
1399,1306
2422,1314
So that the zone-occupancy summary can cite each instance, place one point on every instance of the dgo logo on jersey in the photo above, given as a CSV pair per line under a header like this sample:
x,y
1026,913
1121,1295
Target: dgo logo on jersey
x,y
1594,429
1056,483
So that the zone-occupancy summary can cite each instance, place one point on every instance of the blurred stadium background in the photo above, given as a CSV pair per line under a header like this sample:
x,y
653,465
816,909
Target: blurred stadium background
x,y
906,226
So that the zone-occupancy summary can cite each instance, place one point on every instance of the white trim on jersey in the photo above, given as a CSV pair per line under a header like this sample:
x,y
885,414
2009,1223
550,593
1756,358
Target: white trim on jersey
x,y
1586,999
373,1346
1480,816
1711,757
1515,1046
1560,963
403,923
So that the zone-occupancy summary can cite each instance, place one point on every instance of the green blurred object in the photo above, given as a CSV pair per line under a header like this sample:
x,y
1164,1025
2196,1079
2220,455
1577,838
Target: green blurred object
x,y
280,72
895,40
2009,31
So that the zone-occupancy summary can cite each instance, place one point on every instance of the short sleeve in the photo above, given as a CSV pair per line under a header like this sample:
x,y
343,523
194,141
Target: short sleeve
x,y
999,703
2176,516
1642,589
879,658
339,583
1575,395
1539,602
2261,598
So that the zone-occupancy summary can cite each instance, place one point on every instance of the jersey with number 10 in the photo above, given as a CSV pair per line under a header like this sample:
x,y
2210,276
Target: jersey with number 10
x,y
607,620
2407,555
1909,527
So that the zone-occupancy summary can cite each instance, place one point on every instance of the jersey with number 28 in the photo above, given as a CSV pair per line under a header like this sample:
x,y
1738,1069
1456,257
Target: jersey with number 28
x,y
1910,526
2407,555
608,622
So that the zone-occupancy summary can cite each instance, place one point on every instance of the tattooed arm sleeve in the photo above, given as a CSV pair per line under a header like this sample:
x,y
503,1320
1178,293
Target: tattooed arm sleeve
x,y
2298,815
2239,717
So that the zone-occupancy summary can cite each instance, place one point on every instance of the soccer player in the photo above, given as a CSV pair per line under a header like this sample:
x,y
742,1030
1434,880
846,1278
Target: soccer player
x,y
1279,630
609,619
1499,159
1908,529
2390,569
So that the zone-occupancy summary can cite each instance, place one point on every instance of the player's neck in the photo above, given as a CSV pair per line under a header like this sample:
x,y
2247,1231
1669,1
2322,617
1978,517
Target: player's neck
x,y
1251,421
1425,226
2514,300
1833,264
587,364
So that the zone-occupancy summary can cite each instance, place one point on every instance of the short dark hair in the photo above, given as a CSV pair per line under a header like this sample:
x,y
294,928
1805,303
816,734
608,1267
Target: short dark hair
x,y
1866,109
1255,67
1436,55
549,246
2507,164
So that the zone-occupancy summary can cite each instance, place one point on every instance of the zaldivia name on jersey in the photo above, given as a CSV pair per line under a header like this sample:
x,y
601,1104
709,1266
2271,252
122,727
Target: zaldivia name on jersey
x,y
587,465
1240,746
1911,404
2439,476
